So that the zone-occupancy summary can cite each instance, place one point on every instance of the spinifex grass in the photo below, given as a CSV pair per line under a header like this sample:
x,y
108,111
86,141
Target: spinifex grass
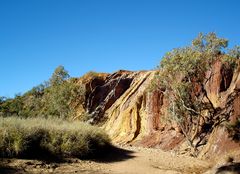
x,y
42,137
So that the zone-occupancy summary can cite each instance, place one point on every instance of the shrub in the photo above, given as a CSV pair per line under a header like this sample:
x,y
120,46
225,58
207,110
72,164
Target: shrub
x,y
36,137
59,76
182,75
55,98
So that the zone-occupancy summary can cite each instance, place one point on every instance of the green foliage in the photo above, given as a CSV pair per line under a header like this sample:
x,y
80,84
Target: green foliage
x,y
209,44
54,98
2,99
192,61
31,137
58,99
182,74
11,106
59,76
177,71
235,52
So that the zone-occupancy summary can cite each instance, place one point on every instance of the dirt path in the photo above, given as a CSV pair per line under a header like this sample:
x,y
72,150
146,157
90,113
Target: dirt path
x,y
155,161
124,160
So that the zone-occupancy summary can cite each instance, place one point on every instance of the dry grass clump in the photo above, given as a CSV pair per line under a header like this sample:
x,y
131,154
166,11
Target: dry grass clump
x,y
38,137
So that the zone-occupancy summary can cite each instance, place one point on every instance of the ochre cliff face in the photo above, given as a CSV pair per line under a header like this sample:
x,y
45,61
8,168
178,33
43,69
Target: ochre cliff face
x,y
123,104
223,91
126,118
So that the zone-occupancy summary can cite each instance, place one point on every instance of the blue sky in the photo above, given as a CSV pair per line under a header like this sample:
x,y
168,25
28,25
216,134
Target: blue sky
x,y
101,35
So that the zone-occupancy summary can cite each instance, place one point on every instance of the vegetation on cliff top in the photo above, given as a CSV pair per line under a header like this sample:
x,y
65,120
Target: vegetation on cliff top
x,y
182,77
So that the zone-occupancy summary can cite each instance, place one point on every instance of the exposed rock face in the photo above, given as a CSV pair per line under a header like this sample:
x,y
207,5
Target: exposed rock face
x,y
131,113
104,95
223,91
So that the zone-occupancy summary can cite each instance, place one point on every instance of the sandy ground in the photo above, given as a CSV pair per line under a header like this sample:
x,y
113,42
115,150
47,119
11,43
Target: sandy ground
x,y
124,160
155,161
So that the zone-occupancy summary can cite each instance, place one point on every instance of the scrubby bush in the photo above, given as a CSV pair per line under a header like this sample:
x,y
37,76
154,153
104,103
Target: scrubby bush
x,y
59,76
57,100
36,137
53,98
182,75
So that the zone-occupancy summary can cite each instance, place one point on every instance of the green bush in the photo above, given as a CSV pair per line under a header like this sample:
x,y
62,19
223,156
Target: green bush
x,y
35,137
55,98
182,78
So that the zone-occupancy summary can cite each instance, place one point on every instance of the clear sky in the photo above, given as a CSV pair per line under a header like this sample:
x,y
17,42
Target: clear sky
x,y
101,35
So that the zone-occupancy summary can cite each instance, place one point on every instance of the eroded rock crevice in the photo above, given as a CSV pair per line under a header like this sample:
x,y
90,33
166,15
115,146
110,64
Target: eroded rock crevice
x,y
104,95
132,113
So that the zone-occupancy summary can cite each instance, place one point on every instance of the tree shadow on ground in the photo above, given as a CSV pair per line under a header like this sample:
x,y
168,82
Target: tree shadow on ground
x,y
233,167
110,154
106,154
5,169
43,155
10,170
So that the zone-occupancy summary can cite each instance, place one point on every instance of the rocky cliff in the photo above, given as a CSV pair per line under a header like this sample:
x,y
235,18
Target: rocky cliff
x,y
124,104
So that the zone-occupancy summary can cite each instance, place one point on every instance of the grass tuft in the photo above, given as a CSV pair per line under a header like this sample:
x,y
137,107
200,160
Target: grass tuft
x,y
38,137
